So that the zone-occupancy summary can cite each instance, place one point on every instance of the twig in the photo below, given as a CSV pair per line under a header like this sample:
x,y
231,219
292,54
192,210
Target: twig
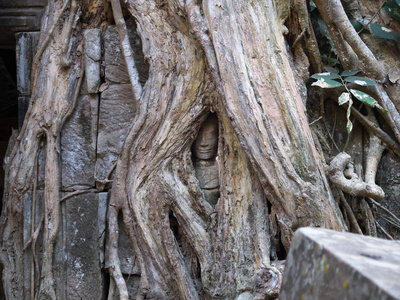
x,y
350,213
98,190
373,17
315,121
390,221
383,230
393,145
384,208
298,38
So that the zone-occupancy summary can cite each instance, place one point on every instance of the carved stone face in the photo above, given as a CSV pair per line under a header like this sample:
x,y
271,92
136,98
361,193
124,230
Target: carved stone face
x,y
206,144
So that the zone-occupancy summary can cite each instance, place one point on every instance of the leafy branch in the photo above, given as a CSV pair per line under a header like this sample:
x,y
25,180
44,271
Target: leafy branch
x,y
330,79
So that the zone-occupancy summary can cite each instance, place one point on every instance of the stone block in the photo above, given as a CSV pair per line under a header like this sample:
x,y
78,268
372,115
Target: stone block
x,y
84,276
92,59
25,51
325,264
117,110
78,145
115,67
23,105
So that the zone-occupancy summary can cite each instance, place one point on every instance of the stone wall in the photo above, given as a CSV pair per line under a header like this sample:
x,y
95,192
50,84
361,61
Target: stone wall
x,y
91,141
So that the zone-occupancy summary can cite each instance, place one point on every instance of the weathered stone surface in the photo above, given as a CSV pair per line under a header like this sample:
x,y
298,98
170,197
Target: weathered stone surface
x,y
388,177
102,216
115,68
23,104
117,110
92,59
325,264
78,145
25,51
245,296
84,276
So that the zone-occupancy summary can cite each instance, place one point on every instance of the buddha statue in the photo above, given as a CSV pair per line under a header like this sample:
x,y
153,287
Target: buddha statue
x,y
204,151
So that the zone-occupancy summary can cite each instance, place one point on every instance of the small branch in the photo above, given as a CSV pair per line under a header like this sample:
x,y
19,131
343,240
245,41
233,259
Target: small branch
x,y
390,221
98,190
368,218
384,209
301,35
350,213
383,230
392,145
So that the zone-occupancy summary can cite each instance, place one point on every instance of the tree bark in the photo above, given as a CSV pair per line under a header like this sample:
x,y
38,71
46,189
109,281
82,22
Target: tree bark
x,y
219,59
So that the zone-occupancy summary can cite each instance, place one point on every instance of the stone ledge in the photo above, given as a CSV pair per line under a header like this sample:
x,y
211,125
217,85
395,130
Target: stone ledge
x,y
325,264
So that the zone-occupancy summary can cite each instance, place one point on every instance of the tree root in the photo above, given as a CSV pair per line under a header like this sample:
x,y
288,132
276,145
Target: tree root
x,y
353,52
66,48
348,181
127,50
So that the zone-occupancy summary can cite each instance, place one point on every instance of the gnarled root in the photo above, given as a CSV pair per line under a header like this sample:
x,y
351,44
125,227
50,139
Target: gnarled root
x,y
342,175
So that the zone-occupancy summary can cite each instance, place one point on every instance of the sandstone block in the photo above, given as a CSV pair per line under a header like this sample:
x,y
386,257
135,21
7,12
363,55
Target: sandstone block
x,y
117,110
325,264
23,104
84,277
92,59
25,51
78,145
115,67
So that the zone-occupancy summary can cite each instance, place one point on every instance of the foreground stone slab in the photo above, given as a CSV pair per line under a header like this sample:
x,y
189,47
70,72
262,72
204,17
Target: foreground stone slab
x,y
325,264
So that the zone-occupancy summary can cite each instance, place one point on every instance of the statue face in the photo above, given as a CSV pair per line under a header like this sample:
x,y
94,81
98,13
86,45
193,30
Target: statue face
x,y
206,144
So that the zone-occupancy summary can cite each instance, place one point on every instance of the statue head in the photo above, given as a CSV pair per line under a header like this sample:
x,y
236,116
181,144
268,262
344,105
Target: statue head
x,y
206,144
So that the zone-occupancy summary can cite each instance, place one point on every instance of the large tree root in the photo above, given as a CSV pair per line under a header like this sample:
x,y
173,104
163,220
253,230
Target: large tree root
x,y
341,173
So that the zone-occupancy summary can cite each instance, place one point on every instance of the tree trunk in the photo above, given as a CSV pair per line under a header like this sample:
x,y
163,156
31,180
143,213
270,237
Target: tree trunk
x,y
219,167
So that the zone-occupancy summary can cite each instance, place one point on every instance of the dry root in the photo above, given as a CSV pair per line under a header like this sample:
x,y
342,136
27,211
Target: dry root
x,y
342,175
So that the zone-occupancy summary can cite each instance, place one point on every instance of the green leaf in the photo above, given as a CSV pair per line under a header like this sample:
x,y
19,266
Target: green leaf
x,y
344,98
360,81
326,83
363,97
326,75
349,72
384,33
332,70
393,9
